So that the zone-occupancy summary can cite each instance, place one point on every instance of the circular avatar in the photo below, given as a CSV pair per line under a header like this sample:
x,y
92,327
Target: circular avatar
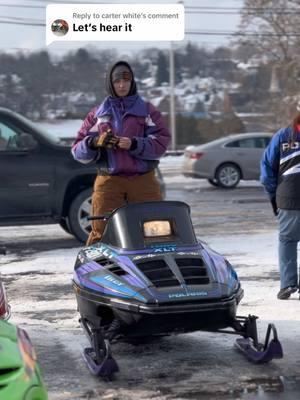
x,y
60,27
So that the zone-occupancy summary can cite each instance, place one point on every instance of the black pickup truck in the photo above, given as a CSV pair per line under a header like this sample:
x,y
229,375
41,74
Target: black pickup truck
x,y
40,183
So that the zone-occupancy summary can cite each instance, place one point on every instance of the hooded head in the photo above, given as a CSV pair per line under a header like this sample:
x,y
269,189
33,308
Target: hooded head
x,y
120,71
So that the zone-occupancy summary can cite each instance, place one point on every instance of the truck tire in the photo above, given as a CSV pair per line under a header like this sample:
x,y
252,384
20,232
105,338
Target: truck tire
x,y
80,209
64,224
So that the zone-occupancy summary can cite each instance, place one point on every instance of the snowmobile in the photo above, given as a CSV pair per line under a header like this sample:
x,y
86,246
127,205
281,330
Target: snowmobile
x,y
150,276
20,375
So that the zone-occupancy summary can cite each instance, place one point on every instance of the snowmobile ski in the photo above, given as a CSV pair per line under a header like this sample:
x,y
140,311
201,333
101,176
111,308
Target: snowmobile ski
x,y
261,353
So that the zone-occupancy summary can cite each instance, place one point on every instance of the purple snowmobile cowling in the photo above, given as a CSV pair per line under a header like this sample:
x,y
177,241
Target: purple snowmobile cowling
x,y
150,276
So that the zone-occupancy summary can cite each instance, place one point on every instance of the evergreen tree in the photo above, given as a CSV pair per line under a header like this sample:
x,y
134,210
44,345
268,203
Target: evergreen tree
x,y
162,73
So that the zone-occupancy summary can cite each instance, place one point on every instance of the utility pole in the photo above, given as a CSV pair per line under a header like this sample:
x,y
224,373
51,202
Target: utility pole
x,y
172,99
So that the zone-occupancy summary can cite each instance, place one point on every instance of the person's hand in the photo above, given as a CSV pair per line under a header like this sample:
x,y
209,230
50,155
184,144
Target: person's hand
x,y
274,206
106,139
124,143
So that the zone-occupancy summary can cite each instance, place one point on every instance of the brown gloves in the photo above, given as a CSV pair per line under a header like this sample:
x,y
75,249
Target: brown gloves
x,y
106,139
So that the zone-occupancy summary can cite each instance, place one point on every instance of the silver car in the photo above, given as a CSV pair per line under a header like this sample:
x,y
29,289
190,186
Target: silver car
x,y
224,162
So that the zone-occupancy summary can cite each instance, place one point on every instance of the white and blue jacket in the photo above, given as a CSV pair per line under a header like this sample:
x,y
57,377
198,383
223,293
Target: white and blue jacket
x,y
280,169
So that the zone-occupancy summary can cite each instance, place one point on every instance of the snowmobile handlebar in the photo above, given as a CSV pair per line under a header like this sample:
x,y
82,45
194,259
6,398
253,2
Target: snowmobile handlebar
x,y
103,217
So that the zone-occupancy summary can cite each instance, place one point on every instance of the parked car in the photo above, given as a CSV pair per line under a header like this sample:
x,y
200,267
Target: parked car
x,y
40,181
224,162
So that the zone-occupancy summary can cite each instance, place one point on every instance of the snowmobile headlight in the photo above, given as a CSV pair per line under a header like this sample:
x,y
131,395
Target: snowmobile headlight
x,y
157,228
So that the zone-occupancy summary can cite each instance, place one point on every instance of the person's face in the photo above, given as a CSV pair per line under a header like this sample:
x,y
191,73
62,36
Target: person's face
x,y
122,87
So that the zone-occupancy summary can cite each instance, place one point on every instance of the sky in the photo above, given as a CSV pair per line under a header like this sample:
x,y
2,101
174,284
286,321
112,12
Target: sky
x,y
14,37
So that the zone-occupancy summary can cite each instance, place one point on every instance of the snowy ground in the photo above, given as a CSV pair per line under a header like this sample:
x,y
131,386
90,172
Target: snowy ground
x,y
42,302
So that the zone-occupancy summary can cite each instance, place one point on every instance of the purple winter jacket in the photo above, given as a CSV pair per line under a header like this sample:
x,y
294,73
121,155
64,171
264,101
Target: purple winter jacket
x,y
130,117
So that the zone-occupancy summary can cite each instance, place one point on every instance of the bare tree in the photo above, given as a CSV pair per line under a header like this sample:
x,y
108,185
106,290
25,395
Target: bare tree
x,y
272,27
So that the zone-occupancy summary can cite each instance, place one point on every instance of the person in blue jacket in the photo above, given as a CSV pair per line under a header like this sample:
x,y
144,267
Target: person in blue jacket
x,y
280,175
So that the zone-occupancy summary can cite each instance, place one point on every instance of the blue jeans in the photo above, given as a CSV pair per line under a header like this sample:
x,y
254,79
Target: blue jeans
x,y
289,236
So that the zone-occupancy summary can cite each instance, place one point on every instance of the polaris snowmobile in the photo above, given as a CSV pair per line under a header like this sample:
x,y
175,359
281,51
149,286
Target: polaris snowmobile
x,y
150,276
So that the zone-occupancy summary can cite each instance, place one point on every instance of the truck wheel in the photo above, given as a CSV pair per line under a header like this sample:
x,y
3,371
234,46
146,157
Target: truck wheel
x,y
79,210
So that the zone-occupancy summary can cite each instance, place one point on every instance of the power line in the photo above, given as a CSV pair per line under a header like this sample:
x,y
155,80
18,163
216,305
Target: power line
x,y
239,13
20,19
228,33
22,23
69,2
240,8
188,9
21,6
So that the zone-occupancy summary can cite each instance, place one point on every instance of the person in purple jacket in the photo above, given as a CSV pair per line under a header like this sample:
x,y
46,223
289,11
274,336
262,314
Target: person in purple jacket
x,y
125,136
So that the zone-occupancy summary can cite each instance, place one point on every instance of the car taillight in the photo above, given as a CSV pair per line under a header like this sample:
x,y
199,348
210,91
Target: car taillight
x,y
194,155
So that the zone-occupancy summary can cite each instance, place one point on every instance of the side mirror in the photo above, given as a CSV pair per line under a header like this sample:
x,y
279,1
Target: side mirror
x,y
25,141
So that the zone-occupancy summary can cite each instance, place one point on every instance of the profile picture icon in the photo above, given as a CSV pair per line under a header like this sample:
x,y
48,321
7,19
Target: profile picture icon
x,y
60,27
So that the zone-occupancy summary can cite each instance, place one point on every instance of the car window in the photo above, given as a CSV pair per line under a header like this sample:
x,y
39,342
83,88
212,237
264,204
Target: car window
x,y
8,138
235,143
250,143
14,140
243,143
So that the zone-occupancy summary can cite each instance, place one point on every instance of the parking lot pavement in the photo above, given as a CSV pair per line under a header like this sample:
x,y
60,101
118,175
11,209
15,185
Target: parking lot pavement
x,y
244,209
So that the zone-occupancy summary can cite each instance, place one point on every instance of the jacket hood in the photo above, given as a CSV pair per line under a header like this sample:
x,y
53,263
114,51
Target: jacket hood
x,y
109,85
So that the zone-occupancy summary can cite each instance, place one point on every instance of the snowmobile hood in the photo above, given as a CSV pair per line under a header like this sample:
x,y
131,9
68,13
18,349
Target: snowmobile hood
x,y
171,274
10,356
19,372
149,254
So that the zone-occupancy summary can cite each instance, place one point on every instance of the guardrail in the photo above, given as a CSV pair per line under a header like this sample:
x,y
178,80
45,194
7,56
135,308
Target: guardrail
x,y
174,153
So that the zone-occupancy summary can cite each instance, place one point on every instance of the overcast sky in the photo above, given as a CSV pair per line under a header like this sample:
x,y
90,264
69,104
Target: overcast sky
x,y
28,38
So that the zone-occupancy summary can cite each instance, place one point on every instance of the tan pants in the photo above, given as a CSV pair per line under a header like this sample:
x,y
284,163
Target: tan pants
x,y
111,192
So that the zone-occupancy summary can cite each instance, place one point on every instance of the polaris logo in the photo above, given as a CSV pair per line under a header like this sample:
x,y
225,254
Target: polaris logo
x,y
290,146
179,295
113,280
